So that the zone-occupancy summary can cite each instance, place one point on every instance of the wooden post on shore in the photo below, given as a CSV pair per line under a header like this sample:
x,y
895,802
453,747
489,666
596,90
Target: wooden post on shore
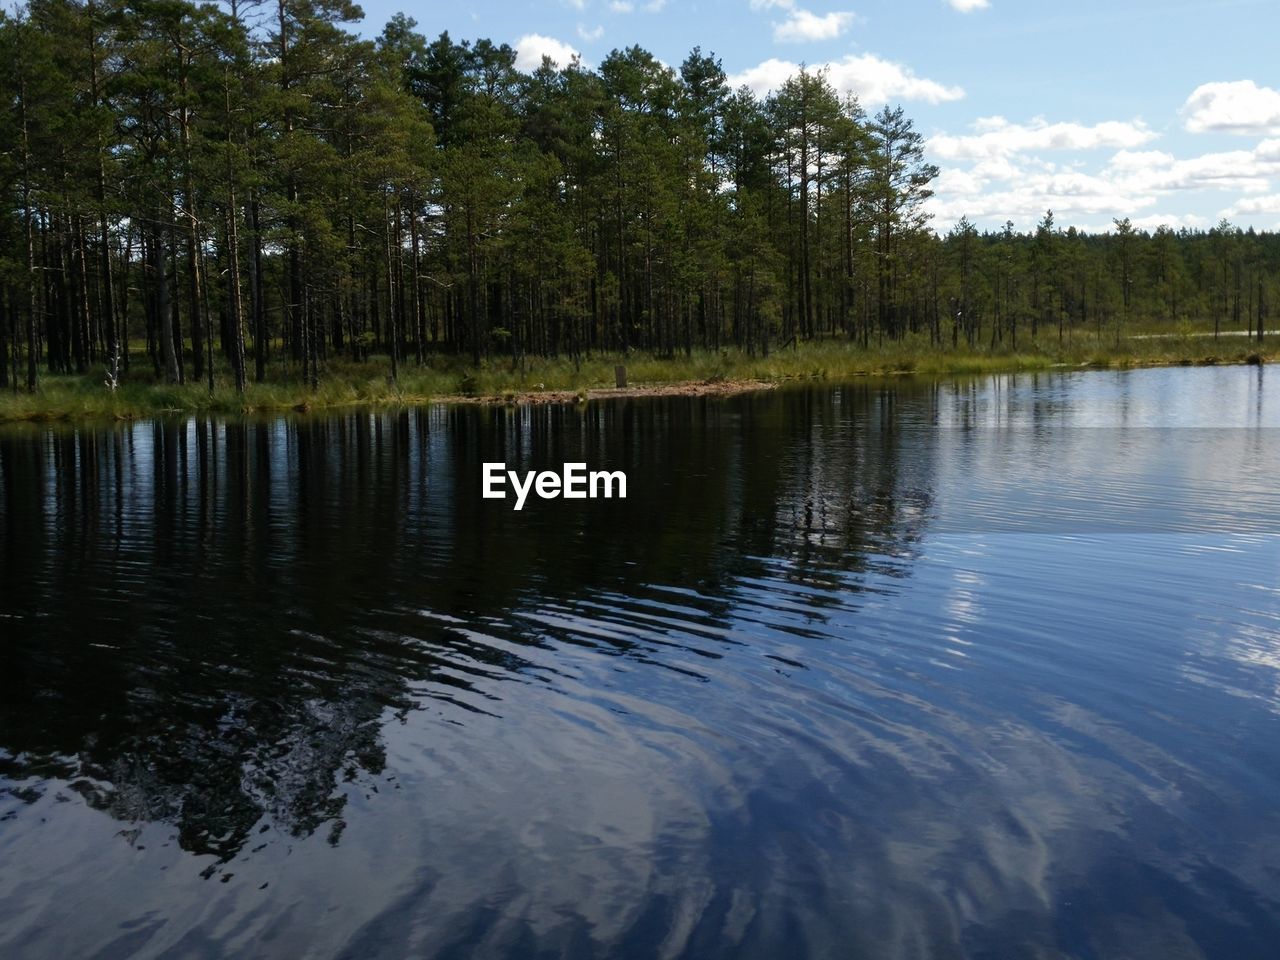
x,y
620,375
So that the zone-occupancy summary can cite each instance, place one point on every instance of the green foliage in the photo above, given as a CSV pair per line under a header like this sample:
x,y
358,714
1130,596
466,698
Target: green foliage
x,y
271,199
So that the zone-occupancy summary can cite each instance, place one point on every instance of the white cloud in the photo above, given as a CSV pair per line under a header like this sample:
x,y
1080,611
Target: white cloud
x,y
532,47
1149,222
622,6
1248,171
873,80
590,35
1006,180
801,26
997,137
1025,197
999,170
968,6
1138,161
1240,106
1253,206
1153,221
655,6
1234,170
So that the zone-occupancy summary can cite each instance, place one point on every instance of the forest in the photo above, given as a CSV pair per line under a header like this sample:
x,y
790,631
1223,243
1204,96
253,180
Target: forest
x,y
252,190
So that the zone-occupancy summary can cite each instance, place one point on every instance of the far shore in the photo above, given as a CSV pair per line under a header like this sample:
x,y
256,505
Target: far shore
x,y
701,374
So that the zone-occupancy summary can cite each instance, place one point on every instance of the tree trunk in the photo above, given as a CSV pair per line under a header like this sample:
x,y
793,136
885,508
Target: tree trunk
x,y
159,280
33,303
255,295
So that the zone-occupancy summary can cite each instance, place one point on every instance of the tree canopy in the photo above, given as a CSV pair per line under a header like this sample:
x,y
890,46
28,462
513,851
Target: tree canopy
x,y
254,185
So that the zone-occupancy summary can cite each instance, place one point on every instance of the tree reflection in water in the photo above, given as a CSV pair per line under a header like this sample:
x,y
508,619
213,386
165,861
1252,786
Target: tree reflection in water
x,y
209,622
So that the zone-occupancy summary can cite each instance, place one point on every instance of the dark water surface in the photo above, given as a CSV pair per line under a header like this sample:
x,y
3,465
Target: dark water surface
x,y
972,669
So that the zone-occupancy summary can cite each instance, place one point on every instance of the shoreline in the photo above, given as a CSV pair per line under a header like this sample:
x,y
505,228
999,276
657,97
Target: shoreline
x,y
675,388
65,399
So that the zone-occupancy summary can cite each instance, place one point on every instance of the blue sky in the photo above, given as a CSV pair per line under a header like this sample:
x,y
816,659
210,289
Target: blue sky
x,y
1162,112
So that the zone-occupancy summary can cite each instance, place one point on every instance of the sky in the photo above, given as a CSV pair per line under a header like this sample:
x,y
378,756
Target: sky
x,y
1163,112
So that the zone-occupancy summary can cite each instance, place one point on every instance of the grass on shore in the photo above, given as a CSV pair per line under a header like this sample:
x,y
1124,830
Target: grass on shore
x,y
347,383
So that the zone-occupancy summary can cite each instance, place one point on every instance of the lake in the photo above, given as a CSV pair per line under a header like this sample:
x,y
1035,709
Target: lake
x,y
974,668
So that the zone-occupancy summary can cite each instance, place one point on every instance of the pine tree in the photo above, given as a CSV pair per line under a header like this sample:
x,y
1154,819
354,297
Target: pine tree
x,y
899,186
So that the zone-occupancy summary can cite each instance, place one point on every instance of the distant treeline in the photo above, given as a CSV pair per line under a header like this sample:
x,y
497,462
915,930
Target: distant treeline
x,y
254,181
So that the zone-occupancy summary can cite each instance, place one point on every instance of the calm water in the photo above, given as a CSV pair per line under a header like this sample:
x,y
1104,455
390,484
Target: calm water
x,y
974,669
